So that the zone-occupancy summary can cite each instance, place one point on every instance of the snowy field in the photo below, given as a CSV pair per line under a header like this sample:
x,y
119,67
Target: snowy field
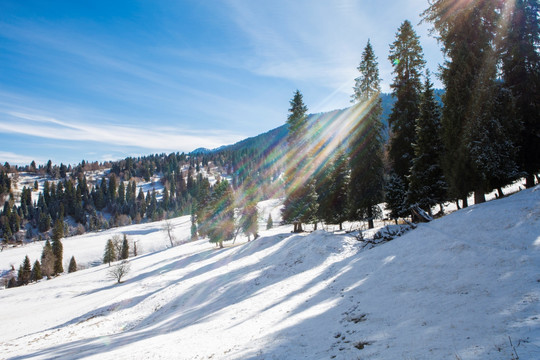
x,y
466,286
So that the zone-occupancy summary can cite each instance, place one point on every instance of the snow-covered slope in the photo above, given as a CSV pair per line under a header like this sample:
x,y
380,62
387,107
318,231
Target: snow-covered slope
x,y
466,286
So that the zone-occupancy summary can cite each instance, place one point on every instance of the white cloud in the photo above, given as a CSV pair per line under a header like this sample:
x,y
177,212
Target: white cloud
x,y
166,139
18,159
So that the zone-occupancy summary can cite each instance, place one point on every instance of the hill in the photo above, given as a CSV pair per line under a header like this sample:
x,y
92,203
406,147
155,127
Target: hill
x,y
461,287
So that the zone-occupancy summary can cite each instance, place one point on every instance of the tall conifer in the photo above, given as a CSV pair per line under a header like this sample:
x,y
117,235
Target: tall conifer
x,y
366,183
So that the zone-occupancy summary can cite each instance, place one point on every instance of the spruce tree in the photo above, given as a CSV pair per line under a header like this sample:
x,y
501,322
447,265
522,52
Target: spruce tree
x,y
250,224
366,182
335,203
125,248
36,272
217,217
57,247
467,34
47,260
427,186
269,222
407,61
72,265
521,74
294,209
109,255
25,271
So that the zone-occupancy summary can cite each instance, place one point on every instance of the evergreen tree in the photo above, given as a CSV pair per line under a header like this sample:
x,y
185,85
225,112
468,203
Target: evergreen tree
x,y
521,74
491,137
36,272
269,222
125,248
109,254
338,186
25,271
407,60
217,217
427,186
250,225
72,265
47,260
395,196
194,235
57,247
293,210
467,34
366,182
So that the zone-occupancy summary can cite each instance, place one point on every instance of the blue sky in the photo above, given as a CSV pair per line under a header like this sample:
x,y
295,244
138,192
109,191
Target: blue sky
x,y
103,80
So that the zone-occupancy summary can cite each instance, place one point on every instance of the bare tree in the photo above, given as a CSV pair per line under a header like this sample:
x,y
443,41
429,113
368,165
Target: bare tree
x,y
118,271
168,228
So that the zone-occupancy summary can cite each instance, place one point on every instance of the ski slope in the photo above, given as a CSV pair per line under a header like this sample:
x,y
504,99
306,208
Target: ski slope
x,y
466,286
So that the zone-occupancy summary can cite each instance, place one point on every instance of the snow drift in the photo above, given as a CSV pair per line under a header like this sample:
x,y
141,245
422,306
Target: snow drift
x,y
465,286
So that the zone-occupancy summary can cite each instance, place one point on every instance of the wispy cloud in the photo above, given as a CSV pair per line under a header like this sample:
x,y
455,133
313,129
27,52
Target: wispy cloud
x,y
156,139
17,159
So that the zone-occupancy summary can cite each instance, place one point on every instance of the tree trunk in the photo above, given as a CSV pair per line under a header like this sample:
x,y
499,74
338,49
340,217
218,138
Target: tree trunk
x,y
529,180
500,191
457,205
479,196
465,202
340,226
315,226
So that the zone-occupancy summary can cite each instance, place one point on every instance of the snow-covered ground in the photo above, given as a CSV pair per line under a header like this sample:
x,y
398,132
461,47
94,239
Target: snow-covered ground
x,y
465,286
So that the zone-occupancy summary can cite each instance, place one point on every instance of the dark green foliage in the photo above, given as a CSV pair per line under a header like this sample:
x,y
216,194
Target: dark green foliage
x,y
467,36
216,217
490,139
124,254
427,186
269,222
366,182
47,260
296,120
395,196
36,272
57,247
250,217
58,250
521,74
72,265
407,60
25,271
296,208
109,255
333,205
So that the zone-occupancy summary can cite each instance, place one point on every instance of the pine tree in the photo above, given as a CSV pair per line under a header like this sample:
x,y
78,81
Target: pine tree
x,y
427,186
269,222
72,265
407,60
521,74
366,182
47,260
335,203
491,138
109,254
25,271
216,220
125,248
467,34
36,272
293,210
250,224
395,197
57,247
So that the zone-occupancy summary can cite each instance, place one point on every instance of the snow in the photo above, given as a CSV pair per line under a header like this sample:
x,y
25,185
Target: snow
x,y
464,286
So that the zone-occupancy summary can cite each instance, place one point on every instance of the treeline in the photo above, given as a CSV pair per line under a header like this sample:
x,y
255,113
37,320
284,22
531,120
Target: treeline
x,y
486,135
